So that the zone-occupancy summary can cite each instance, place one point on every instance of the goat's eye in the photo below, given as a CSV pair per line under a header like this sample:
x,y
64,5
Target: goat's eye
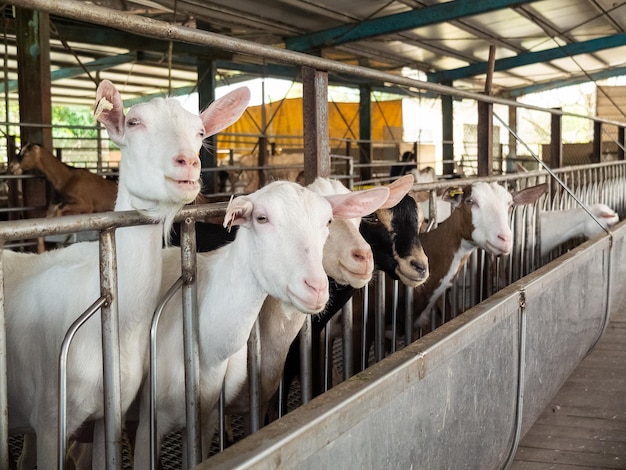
x,y
261,219
201,133
469,201
132,122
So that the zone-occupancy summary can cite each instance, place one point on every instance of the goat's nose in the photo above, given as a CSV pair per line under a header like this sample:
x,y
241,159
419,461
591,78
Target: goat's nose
x,y
362,254
187,160
420,267
317,285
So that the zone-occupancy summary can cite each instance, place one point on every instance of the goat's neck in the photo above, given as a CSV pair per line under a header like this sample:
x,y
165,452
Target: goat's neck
x,y
560,226
57,172
447,248
227,318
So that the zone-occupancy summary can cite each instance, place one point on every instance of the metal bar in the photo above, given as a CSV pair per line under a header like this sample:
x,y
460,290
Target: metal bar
x,y
306,384
520,379
346,321
365,310
379,318
4,401
191,342
62,381
111,351
254,377
153,368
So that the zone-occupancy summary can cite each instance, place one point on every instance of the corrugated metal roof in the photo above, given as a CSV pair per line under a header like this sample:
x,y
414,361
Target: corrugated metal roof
x,y
538,44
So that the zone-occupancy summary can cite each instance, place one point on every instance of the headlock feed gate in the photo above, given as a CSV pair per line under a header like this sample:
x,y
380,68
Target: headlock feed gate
x,y
460,396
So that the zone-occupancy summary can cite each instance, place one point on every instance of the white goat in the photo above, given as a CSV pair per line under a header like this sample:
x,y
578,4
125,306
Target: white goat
x,y
557,227
347,259
45,293
277,251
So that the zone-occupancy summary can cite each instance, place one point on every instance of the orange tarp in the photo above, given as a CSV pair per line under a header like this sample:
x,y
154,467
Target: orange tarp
x,y
284,118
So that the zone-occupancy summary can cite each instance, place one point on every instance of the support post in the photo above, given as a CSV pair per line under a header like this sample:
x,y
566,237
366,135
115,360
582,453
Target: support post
x,y
556,142
208,152
315,120
596,154
365,130
447,133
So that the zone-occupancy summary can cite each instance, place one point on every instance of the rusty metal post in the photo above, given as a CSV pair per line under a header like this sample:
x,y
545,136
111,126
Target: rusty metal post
x,y
315,119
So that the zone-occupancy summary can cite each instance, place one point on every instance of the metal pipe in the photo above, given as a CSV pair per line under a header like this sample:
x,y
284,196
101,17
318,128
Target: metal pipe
x,y
111,350
153,367
254,377
191,341
4,400
306,384
520,379
347,324
62,378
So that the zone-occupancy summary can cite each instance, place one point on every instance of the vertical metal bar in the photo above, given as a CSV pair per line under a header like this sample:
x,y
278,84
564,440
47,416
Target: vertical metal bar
x,y
4,401
191,341
327,355
254,376
62,379
306,384
153,368
348,356
111,351
520,379
394,315
408,315
379,318
315,121
366,307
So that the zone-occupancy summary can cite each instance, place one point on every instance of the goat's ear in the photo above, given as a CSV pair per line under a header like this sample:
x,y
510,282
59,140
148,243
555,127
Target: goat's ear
x,y
357,203
398,189
109,110
529,195
225,111
453,195
238,212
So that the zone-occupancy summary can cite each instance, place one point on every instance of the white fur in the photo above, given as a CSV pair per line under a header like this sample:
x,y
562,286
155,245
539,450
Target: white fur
x,y
277,251
45,293
557,227
347,259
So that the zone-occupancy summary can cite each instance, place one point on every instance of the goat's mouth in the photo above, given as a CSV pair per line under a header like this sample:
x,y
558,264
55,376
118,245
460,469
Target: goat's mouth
x,y
497,250
185,185
412,277
362,273
308,305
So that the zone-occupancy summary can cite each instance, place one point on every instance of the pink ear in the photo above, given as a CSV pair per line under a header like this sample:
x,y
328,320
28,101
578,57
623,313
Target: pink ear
x,y
529,195
109,110
357,203
398,189
238,212
225,111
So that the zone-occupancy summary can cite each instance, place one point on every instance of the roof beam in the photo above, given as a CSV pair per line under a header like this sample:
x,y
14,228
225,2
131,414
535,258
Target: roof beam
x,y
439,13
552,84
529,58
70,72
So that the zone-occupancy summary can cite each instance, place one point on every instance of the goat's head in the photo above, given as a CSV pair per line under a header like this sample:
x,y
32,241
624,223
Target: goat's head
x,y
482,214
160,142
394,235
348,258
287,226
28,159
605,215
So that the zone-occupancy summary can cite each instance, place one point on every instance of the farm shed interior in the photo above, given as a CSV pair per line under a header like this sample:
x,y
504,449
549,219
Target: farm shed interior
x,y
557,44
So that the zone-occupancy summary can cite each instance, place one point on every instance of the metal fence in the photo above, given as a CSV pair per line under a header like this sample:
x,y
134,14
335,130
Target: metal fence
x,y
513,349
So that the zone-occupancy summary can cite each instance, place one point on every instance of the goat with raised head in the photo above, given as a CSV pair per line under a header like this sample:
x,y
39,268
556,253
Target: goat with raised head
x,y
80,190
44,294
278,252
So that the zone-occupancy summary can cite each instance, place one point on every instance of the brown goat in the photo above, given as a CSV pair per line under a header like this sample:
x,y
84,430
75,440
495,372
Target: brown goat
x,y
81,191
